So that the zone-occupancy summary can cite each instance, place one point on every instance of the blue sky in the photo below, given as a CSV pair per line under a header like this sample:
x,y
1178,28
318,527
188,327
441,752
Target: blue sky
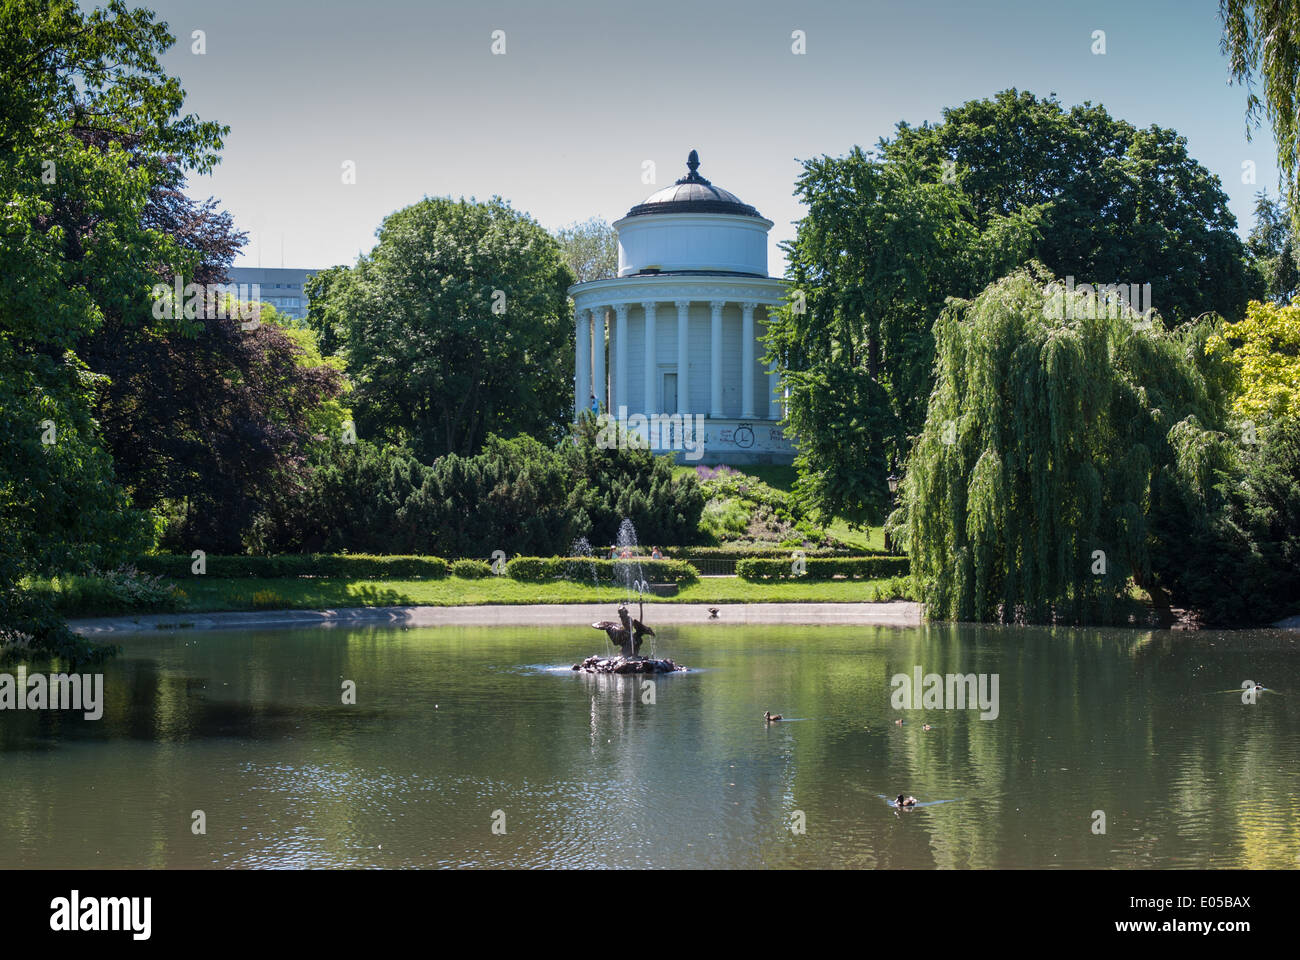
x,y
587,91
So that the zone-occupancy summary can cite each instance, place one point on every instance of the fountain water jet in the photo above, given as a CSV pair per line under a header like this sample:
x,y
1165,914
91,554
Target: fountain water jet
x,y
626,633
579,552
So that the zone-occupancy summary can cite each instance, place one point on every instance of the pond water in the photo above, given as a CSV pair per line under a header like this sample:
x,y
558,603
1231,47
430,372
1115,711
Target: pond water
x,y
478,747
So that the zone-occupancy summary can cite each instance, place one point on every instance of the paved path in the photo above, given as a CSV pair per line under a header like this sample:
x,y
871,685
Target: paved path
x,y
898,614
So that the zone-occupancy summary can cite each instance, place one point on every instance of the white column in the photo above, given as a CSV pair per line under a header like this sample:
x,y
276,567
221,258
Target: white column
x,y
747,361
773,392
598,347
715,361
582,363
620,359
651,367
683,356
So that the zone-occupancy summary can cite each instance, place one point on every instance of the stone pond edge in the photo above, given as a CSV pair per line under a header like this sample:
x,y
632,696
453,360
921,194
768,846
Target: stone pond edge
x,y
898,613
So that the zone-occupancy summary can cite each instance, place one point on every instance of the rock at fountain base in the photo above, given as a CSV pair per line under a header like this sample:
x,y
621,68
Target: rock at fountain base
x,y
598,664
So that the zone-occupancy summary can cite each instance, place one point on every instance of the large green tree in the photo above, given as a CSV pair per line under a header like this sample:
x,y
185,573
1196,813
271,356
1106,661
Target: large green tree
x,y
86,114
200,414
1119,204
879,250
455,326
942,210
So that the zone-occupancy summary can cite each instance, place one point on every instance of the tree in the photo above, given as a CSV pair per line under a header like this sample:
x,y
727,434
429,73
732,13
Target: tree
x,y
1261,39
455,326
199,413
83,100
325,298
351,497
944,210
1066,447
516,495
611,482
590,249
879,250
1232,553
1272,251
1119,204
1263,352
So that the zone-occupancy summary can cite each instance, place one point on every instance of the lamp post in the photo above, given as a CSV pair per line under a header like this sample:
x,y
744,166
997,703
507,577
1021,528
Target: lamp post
x,y
893,500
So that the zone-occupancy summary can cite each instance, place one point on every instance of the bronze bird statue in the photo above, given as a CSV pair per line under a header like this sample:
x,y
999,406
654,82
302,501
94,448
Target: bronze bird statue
x,y
627,634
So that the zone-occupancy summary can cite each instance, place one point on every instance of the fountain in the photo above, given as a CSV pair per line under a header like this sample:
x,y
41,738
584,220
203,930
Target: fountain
x,y
626,633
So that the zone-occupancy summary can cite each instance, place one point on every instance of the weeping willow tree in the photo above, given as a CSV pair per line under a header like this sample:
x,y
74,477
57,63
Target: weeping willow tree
x,y
1261,39
1065,440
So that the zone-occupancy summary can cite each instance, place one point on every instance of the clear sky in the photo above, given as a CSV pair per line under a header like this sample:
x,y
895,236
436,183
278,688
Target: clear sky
x,y
588,90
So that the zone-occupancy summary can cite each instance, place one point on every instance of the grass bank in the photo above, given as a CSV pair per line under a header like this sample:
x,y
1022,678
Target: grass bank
x,y
782,477
211,595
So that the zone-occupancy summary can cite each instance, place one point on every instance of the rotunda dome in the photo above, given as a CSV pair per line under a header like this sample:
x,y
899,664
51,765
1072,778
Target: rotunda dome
x,y
693,194
692,227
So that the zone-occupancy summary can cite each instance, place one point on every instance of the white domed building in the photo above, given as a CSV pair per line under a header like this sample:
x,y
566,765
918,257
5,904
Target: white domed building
x,y
670,347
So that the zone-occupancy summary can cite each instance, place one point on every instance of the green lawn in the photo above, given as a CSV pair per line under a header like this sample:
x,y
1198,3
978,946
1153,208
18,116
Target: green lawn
x,y
872,538
203,595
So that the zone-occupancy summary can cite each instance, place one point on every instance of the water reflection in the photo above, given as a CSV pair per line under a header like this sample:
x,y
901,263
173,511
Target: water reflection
x,y
451,725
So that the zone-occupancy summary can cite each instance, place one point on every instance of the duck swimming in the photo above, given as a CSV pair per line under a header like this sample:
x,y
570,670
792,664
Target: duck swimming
x,y
903,801
771,717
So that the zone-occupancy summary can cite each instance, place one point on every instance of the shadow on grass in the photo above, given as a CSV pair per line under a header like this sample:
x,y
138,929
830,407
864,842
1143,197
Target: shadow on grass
x,y
368,596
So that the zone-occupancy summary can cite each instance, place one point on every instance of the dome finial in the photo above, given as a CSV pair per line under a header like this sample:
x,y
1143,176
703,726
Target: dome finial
x,y
692,169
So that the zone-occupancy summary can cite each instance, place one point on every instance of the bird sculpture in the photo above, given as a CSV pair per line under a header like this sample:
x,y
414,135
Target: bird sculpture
x,y
626,633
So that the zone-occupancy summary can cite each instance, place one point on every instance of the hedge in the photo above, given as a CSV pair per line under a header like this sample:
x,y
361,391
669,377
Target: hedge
x,y
579,570
746,552
471,569
354,566
823,568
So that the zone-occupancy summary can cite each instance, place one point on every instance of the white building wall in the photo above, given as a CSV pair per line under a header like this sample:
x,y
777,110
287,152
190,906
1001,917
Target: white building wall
x,y
700,336
665,346
761,386
731,360
692,242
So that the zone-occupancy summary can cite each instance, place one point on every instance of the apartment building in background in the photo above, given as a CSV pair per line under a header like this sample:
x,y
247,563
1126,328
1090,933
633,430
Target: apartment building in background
x,y
281,287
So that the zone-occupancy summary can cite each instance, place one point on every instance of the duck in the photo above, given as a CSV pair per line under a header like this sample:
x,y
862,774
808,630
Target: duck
x,y
903,801
770,717
713,613
898,722
927,727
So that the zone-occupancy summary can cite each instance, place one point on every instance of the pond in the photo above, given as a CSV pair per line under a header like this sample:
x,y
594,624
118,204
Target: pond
x,y
478,747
